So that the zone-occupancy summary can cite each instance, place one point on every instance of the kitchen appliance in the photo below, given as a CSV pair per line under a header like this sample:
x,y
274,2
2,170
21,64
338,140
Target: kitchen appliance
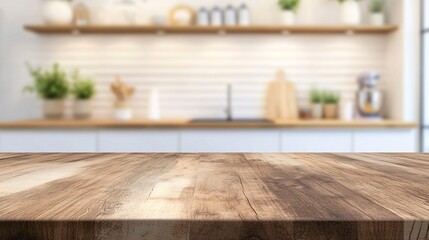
x,y
369,98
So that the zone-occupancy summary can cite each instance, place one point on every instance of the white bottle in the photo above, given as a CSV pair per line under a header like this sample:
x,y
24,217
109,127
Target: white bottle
x,y
203,17
216,17
154,112
244,15
230,16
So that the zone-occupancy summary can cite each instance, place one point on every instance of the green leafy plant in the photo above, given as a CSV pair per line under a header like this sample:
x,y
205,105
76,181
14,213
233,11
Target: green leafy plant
x,y
316,96
49,84
377,6
289,5
330,97
82,88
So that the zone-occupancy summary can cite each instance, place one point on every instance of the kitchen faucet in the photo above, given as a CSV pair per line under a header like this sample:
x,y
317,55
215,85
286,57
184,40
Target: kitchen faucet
x,y
228,109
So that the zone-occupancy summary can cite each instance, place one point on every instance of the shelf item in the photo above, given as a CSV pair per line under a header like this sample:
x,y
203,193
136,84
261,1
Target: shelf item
x,y
307,29
182,15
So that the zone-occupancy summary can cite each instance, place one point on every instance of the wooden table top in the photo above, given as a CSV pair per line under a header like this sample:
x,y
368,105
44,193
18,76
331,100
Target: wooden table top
x,y
232,187
214,196
185,123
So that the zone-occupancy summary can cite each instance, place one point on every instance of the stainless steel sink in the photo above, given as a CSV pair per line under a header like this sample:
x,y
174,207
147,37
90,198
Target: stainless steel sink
x,y
228,111
220,120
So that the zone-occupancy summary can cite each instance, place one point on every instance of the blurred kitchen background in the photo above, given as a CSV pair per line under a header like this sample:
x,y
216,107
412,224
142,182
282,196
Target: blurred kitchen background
x,y
347,73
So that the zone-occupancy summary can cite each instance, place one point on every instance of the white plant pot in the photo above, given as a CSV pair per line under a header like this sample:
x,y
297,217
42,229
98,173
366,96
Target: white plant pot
x,y
122,111
378,19
57,12
350,13
288,18
53,109
82,109
317,111
123,114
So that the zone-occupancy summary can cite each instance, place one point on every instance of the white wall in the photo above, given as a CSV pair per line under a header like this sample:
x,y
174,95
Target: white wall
x,y
191,71
403,55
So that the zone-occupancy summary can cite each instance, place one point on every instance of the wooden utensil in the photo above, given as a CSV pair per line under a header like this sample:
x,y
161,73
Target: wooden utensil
x,y
121,90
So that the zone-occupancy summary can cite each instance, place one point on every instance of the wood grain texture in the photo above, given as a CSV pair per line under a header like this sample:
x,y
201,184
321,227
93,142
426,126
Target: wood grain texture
x,y
44,29
214,196
183,123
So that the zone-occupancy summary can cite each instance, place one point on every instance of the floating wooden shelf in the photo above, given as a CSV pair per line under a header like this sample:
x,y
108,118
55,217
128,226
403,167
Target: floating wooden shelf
x,y
184,123
45,29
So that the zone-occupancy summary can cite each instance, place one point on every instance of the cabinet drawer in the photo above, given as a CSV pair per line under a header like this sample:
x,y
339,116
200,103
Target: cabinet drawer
x,y
48,141
385,141
138,141
316,141
233,140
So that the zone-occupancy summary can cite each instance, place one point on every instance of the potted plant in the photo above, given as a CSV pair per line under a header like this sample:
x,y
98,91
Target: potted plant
x,y
57,12
316,101
51,86
377,12
330,104
289,8
350,12
83,89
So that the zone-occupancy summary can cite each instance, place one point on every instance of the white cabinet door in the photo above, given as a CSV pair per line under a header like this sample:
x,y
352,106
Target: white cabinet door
x,y
138,141
316,141
233,140
48,141
390,140
425,140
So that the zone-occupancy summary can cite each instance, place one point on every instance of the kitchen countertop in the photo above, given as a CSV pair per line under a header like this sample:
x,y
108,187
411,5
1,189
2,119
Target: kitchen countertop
x,y
214,196
183,123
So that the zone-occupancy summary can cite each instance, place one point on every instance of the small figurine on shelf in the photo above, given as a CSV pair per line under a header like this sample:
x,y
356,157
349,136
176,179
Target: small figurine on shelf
x,y
123,92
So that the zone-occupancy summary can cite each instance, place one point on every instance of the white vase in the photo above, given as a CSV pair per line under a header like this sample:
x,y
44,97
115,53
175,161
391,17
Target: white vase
x,y
347,111
82,109
377,19
350,12
154,111
288,18
53,109
317,111
57,12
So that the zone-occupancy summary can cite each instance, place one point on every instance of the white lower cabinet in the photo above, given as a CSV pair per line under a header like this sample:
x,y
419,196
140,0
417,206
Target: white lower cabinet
x,y
425,141
392,140
138,140
209,140
233,140
316,141
48,141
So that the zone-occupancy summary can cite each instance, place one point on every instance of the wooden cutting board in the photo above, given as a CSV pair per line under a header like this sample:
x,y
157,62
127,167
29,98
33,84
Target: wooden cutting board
x,y
281,100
